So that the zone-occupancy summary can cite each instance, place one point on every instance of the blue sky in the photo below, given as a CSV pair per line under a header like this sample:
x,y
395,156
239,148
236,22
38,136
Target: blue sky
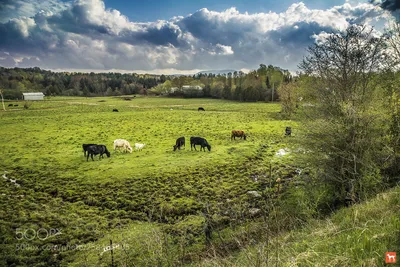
x,y
173,36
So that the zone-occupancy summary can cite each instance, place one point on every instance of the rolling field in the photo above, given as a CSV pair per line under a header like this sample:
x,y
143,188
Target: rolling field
x,y
50,134
41,149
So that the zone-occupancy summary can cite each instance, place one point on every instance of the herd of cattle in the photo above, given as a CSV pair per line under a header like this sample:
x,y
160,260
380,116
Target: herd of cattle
x,y
121,144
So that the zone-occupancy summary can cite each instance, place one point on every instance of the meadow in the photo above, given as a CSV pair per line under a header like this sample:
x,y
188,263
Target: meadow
x,y
50,134
150,189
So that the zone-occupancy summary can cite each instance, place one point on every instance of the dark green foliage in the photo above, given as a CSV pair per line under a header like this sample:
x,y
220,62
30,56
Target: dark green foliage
x,y
18,80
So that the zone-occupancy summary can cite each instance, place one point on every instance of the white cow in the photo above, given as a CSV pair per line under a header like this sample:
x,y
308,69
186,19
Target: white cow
x,y
139,146
122,143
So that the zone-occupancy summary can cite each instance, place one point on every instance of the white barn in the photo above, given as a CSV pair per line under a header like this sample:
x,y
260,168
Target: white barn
x,y
186,87
33,96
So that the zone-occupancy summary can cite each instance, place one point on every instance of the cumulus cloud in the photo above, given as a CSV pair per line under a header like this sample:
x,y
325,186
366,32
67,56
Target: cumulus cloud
x,y
10,9
86,35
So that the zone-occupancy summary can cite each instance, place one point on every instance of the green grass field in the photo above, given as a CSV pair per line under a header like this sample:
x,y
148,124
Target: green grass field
x,y
49,135
42,150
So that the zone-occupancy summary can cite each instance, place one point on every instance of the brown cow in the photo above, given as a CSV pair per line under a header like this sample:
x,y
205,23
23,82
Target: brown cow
x,y
238,133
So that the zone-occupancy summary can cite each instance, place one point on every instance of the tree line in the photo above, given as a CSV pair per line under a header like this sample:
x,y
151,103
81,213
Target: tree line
x,y
257,85
15,81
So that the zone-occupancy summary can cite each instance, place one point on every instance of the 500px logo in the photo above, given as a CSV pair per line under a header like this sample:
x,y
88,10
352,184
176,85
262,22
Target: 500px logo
x,y
30,233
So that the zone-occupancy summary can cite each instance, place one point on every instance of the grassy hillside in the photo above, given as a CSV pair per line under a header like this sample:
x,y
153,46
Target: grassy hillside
x,y
155,188
355,236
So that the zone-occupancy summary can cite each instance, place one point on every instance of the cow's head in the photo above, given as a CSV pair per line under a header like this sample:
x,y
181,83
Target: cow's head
x,y
244,137
107,152
208,147
175,147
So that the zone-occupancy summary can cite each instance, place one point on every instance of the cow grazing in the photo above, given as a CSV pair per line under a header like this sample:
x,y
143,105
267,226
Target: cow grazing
x,y
199,141
139,146
122,143
201,109
238,133
85,147
179,142
16,105
288,131
95,150
115,110
10,105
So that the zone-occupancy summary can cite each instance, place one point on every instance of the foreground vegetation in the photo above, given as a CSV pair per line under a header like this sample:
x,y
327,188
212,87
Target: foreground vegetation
x,y
356,236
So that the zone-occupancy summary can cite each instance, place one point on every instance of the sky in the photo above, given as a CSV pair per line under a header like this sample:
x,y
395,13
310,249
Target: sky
x,y
174,37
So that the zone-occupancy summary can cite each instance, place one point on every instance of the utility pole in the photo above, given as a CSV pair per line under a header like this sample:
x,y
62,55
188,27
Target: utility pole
x,y
112,254
2,99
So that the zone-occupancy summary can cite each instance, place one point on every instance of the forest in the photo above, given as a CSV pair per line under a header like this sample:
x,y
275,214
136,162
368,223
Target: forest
x,y
258,85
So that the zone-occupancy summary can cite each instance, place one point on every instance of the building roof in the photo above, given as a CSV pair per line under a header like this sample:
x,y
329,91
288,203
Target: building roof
x,y
191,87
35,93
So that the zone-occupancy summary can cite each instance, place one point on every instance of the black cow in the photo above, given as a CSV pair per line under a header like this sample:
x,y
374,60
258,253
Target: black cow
x,y
95,150
201,109
115,110
199,141
10,105
179,142
288,131
85,148
16,105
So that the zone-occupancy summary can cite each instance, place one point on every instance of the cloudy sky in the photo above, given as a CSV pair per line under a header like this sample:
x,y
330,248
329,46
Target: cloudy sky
x,y
173,36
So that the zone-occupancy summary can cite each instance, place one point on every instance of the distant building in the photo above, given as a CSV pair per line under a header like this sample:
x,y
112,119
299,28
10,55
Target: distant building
x,y
187,87
33,96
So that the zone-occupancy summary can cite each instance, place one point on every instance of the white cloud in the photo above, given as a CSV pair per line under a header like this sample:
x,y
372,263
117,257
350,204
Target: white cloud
x,y
220,49
27,8
24,25
86,35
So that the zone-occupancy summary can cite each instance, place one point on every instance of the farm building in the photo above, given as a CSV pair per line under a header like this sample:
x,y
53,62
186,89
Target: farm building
x,y
174,89
33,96
188,87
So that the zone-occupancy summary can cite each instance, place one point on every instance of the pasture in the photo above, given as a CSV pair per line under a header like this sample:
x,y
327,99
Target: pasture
x,y
41,148
49,135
